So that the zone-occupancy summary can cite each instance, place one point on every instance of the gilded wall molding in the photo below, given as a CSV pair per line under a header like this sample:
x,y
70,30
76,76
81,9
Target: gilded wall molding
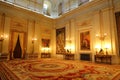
x,y
18,24
84,9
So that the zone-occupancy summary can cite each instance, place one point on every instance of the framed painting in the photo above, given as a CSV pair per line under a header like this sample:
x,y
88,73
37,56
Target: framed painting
x,y
45,42
85,40
60,40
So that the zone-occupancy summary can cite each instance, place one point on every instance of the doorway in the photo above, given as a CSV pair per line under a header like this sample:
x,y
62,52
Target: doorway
x,y
17,45
117,15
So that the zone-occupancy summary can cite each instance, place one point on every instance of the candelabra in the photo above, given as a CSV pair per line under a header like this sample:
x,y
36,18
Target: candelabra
x,y
34,39
101,37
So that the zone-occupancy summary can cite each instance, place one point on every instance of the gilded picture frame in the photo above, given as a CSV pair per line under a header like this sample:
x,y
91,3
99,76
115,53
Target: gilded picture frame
x,y
46,43
85,40
60,40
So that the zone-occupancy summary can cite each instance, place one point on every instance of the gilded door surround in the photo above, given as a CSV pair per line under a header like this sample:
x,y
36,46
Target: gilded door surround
x,y
18,27
13,40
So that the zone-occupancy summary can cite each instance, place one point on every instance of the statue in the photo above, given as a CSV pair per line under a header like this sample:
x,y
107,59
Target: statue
x,y
101,52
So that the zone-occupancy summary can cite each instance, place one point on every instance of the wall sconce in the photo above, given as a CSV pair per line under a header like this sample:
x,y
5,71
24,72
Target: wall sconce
x,y
2,37
101,37
34,39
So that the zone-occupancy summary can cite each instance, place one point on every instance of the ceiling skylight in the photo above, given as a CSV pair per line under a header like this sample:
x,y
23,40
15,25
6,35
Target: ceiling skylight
x,y
45,6
49,8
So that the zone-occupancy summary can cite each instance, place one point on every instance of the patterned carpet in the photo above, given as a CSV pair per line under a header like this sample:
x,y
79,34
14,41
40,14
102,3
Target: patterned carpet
x,y
52,69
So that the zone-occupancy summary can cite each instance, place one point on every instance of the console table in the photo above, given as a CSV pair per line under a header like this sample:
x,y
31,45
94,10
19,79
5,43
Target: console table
x,y
45,55
103,59
69,56
32,55
3,56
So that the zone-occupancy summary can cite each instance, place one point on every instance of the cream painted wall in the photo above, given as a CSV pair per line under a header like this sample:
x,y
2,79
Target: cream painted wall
x,y
33,24
83,23
30,34
5,45
99,17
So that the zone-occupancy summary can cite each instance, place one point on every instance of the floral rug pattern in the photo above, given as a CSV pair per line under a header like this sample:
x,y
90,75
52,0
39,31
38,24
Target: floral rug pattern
x,y
52,69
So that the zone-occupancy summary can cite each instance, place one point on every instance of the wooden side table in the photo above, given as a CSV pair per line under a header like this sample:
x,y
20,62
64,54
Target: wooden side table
x,y
45,55
103,59
3,56
32,56
69,56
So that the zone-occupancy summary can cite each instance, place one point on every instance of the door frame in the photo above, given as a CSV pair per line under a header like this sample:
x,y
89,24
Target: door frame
x,y
11,43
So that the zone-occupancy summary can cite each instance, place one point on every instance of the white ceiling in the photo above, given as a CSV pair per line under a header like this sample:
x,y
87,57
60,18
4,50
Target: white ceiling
x,y
55,7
